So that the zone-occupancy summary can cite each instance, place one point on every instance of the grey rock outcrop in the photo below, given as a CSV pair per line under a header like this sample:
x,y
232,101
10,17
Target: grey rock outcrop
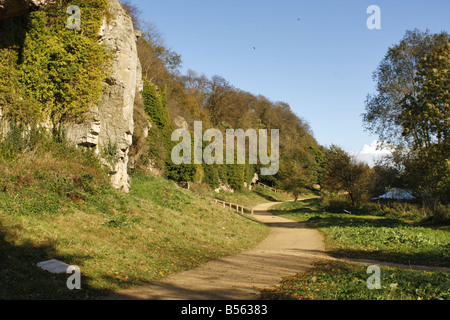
x,y
13,8
253,182
225,188
181,123
109,127
116,107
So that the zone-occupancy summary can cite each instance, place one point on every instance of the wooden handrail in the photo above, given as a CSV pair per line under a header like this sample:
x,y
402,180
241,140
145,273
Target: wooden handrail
x,y
239,207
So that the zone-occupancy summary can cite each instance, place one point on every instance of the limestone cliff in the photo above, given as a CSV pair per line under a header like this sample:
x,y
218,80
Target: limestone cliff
x,y
111,123
125,81
109,126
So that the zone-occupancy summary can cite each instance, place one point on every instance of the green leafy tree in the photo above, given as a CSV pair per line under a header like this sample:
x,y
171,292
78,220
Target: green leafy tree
x,y
344,173
425,119
387,176
235,176
297,179
397,83
424,116
412,109
428,173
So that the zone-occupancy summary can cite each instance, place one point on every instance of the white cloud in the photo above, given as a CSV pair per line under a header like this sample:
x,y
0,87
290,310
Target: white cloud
x,y
373,152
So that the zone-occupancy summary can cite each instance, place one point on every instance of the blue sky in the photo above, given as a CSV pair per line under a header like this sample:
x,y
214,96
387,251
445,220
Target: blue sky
x,y
321,65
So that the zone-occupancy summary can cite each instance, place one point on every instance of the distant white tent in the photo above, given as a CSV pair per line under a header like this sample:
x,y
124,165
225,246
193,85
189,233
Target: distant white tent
x,y
396,194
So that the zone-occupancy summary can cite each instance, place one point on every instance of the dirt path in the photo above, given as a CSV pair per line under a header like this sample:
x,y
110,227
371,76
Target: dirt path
x,y
289,249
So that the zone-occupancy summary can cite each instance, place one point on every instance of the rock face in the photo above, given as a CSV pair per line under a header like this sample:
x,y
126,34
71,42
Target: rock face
x,y
109,128
253,182
181,123
12,8
224,187
115,109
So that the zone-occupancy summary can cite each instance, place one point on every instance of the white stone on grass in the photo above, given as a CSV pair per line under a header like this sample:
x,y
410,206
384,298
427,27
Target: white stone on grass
x,y
53,266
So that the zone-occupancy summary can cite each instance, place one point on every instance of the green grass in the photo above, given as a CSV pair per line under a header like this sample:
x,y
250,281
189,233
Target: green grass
x,y
49,209
251,198
367,237
372,237
343,281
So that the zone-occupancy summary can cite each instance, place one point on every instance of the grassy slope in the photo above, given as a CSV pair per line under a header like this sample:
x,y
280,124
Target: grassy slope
x,y
117,240
369,237
251,198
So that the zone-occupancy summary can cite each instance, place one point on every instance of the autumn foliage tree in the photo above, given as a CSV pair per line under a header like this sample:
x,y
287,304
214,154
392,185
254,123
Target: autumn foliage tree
x,y
220,105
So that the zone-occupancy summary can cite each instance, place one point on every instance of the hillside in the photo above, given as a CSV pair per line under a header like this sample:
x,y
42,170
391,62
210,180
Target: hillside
x,y
86,117
117,91
57,203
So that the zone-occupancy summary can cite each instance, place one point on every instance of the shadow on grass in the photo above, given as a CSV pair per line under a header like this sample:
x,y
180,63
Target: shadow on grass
x,y
428,258
309,211
375,238
266,196
23,280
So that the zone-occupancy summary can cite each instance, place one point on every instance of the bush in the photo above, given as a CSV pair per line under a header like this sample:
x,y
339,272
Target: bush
x,y
211,175
236,176
43,174
335,203
18,139
442,214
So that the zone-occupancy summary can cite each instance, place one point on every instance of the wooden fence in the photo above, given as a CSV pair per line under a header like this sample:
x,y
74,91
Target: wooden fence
x,y
240,208
233,206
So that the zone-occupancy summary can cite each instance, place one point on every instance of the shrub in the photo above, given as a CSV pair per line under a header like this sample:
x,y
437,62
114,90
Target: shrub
x,y
211,175
42,174
235,176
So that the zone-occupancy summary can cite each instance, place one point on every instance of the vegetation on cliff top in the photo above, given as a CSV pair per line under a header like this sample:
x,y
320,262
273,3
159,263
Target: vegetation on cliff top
x,y
53,73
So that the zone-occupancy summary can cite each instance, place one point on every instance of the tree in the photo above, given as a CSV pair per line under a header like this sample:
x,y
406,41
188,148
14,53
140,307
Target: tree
x,y
134,12
397,83
218,92
155,105
296,179
344,173
387,176
426,120
424,116
412,109
428,173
